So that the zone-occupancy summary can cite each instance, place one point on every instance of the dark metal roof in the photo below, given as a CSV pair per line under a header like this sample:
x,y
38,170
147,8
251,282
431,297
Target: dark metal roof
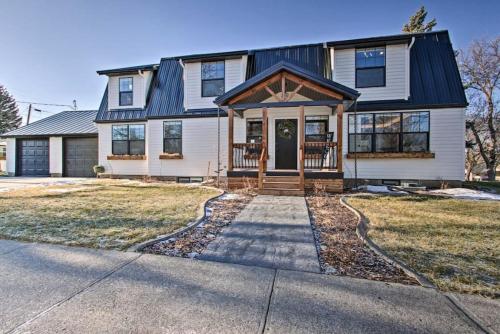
x,y
312,57
131,69
124,115
167,96
297,70
208,56
63,123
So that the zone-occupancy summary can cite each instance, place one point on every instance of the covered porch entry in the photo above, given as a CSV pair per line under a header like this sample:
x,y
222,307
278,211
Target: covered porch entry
x,y
285,131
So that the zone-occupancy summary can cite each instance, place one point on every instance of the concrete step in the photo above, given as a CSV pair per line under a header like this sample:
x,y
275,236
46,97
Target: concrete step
x,y
281,192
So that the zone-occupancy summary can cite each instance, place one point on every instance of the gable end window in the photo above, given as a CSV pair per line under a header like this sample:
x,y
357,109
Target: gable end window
x,y
172,137
126,87
370,67
212,78
389,132
128,139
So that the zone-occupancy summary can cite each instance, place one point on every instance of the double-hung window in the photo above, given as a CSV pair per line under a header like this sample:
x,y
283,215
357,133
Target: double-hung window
x,y
389,132
370,67
128,139
172,137
254,130
126,91
212,78
316,128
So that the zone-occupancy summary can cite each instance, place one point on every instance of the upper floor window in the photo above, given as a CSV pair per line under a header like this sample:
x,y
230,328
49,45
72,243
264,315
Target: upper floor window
x,y
172,137
370,67
212,78
389,132
128,139
126,91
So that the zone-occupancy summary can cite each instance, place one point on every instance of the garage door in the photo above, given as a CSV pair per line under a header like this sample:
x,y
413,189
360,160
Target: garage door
x,y
80,156
33,157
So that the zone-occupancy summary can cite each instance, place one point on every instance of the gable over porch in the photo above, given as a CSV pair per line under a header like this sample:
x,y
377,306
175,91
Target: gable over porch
x,y
293,130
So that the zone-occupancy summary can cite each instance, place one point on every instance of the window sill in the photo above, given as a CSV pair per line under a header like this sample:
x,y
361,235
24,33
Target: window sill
x,y
399,155
171,156
126,157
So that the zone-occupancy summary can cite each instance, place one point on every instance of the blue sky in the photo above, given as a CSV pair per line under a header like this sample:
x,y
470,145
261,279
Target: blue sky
x,y
50,50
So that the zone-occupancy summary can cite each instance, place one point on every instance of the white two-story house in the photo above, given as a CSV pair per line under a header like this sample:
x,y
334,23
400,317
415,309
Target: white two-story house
x,y
385,109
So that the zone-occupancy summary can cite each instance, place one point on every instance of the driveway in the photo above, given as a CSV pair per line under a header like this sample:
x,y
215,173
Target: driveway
x,y
55,289
18,182
271,232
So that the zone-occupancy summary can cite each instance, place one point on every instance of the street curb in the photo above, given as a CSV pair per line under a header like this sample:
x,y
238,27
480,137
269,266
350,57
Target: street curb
x,y
362,232
139,247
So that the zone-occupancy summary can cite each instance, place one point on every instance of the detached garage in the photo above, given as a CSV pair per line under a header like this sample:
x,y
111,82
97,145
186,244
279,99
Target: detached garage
x,y
64,144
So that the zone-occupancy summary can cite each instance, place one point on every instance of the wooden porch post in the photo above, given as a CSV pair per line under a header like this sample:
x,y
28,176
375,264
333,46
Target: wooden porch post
x,y
230,133
264,153
340,134
302,127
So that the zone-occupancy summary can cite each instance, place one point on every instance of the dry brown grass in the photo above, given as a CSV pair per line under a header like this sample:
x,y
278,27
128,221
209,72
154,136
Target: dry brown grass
x,y
102,214
455,243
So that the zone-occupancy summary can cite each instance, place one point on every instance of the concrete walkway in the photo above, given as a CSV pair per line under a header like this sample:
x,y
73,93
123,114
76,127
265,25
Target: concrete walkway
x,y
56,289
271,232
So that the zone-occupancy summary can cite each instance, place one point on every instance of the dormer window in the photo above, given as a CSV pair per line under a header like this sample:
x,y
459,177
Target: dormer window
x,y
126,91
212,78
370,67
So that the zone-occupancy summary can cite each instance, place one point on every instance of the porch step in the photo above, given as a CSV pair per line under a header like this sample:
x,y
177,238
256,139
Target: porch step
x,y
281,192
281,185
290,179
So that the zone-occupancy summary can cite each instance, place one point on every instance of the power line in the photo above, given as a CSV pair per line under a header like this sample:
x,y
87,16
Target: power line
x,y
74,107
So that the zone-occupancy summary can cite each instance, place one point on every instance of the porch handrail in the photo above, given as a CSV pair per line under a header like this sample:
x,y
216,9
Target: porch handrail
x,y
246,155
262,166
320,155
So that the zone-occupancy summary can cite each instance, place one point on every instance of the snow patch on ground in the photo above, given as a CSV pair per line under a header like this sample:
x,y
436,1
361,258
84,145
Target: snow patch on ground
x,y
467,194
66,190
380,190
229,197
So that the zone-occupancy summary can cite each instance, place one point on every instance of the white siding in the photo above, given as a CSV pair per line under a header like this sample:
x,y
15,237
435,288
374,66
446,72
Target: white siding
x,y
55,155
447,131
199,148
119,167
140,90
234,75
11,156
397,76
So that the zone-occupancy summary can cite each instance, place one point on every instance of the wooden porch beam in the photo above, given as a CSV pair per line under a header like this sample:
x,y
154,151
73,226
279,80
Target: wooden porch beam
x,y
340,135
312,86
243,106
270,91
230,133
295,91
283,86
302,152
254,89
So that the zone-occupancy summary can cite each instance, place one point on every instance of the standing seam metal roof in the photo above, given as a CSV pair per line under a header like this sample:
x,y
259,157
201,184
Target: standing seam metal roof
x,y
63,123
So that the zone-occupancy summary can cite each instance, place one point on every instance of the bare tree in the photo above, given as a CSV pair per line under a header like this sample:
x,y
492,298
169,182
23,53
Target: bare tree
x,y
480,67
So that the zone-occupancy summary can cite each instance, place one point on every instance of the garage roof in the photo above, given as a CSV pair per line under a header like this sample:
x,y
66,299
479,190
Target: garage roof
x,y
63,123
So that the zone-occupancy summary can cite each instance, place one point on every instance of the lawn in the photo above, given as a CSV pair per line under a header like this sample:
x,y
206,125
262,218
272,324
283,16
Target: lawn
x,y
102,214
455,243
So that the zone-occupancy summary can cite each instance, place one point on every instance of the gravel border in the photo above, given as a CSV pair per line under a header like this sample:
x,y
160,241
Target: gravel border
x,y
362,232
139,247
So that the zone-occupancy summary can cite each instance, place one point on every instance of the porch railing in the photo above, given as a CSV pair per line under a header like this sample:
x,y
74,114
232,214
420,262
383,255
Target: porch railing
x,y
320,155
246,155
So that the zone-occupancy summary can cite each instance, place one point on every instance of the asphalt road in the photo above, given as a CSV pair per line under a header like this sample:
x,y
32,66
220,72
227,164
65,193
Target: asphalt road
x,y
54,289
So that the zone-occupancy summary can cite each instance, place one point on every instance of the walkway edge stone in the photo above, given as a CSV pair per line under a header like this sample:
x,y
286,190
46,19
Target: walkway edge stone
x,y
203,215
362,232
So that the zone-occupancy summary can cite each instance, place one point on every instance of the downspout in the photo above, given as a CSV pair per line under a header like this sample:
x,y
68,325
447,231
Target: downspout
x,y
408,68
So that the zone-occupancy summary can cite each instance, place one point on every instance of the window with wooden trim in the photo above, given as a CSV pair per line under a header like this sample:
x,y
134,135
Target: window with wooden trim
x,y
172,137
212,78
370,67
128,139
389,132
254,130
316,128
126,91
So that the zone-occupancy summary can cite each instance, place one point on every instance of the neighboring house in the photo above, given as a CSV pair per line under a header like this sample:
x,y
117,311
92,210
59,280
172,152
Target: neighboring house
x,y
385,109
64,144
3,153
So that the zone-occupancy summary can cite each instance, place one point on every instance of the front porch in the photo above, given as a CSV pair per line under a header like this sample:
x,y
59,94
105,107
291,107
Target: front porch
x,y
289,131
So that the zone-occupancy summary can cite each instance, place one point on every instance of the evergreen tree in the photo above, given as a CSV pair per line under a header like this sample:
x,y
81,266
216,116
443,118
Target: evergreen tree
x,y
9,112
416,22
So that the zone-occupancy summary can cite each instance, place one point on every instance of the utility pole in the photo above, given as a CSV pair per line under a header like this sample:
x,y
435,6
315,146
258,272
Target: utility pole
x,y
29,115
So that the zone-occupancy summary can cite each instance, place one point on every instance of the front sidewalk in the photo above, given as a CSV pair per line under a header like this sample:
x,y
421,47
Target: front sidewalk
x,y
52,289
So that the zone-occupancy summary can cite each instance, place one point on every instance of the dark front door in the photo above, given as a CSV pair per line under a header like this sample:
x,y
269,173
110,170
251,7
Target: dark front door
x,y
80,156
286,144
32,157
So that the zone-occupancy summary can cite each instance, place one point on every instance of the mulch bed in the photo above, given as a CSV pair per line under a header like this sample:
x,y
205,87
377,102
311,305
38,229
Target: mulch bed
x,y
340,250
193,242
